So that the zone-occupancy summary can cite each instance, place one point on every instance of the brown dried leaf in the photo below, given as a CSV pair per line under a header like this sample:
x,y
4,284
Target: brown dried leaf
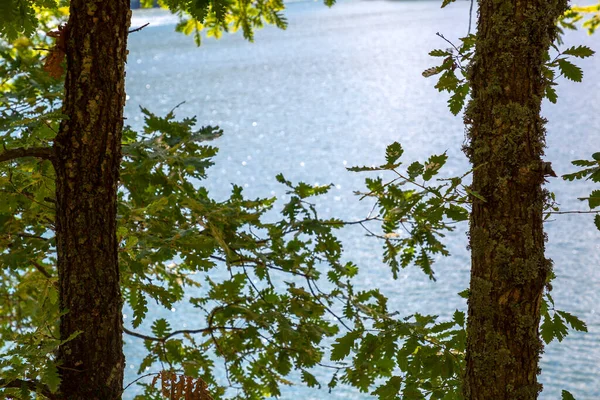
x,y
53,63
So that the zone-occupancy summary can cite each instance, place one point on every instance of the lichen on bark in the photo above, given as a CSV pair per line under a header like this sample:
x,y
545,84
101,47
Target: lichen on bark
x,y
506,141
87,159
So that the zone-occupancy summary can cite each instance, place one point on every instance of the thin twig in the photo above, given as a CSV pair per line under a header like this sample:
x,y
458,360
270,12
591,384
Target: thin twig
x,y
572,212
340,320
216,343
451,44
240,263
138,379
140,28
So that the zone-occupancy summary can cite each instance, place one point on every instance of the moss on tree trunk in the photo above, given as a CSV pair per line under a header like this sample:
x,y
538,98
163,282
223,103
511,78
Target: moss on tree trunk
x,y
88,155
507,138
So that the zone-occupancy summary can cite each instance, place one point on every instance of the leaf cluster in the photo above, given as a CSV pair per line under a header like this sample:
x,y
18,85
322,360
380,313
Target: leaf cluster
x,y
416,357
216,17
561,65
576,14
591,171
454,59
457,58
264,312
267,293
414,213
23,17
555,323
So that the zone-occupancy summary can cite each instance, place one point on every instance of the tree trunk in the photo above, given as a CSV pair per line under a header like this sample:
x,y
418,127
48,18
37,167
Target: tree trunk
x,y
507,138
88,155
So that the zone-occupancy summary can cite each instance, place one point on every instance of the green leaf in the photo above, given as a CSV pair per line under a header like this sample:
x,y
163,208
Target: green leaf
x,y
140,307
594,199
415,169
161,327
579,51
560,328
393,153
570,70
566,395
547,329
433,165
390,390
448,80
459,318
343,345
597,221
553,328
439,53
310,379
551,94
574,321
457,213
457,100
583,163
51,377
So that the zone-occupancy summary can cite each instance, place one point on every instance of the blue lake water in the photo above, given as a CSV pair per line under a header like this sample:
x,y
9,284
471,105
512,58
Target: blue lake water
x,y
334,90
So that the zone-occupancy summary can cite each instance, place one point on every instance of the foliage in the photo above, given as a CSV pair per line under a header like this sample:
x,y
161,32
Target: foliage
x,y
578,13
264,312
591,171
21,17
263,316
561,64
414,218
269,295
418,356
458,58
554,322
453,58
29,115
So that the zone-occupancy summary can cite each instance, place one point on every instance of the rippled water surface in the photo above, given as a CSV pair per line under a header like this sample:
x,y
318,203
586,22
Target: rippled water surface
x,y
332,91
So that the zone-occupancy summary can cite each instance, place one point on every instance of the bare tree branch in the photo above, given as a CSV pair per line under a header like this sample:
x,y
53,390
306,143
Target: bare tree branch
x,y
31,385
30,236
181,332
41,269
573,212
45,153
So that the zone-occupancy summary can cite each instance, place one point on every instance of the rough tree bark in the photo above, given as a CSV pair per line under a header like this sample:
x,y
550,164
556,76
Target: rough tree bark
x,y
87,158
507,137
